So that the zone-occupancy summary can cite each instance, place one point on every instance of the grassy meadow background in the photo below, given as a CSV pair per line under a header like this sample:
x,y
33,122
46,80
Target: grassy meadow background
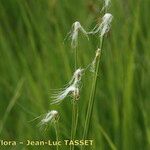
x,y
34,59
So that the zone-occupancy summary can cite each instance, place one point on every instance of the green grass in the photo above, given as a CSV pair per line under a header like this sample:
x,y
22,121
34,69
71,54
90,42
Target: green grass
x,y
33,60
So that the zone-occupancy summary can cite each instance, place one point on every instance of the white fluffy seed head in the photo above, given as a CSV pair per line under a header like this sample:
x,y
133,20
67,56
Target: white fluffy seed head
x,y
106,23
49,117
76,76
104,26
54,113
107,18
60,96
71,89
78,73
76,27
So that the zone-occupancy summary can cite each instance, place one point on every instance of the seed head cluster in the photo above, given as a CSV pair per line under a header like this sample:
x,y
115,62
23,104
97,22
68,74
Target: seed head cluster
x,y
50,117
71,89
104,26
73,34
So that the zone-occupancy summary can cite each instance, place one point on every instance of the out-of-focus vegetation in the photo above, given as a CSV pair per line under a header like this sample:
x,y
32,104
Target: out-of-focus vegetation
x,y
34,59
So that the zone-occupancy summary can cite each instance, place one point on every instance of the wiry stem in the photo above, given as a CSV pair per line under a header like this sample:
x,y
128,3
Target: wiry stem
x,y
76,58
74,121
74,109
57,137
73,124
92,96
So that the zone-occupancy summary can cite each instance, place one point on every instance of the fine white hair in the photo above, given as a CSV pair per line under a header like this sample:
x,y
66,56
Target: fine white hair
x,y
71,88
73,34
104,26
49,117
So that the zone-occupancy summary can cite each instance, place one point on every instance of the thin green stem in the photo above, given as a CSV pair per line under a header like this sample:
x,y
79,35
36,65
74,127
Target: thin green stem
x,y
57,136
73,124
92,96
76,58
108,139
74,109
77,114
74,121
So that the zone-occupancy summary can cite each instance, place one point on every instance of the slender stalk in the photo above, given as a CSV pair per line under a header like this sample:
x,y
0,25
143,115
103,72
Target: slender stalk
x,y
76,58
57,137
108,139
92,96
73,123
74,109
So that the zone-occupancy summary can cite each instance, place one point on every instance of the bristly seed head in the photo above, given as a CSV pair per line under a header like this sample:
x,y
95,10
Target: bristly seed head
x,y
104,27
106,23
77,75
71,89
76,27
50,117
93,64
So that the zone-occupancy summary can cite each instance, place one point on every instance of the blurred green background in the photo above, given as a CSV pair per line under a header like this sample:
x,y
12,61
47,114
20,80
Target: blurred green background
x,y
34,59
